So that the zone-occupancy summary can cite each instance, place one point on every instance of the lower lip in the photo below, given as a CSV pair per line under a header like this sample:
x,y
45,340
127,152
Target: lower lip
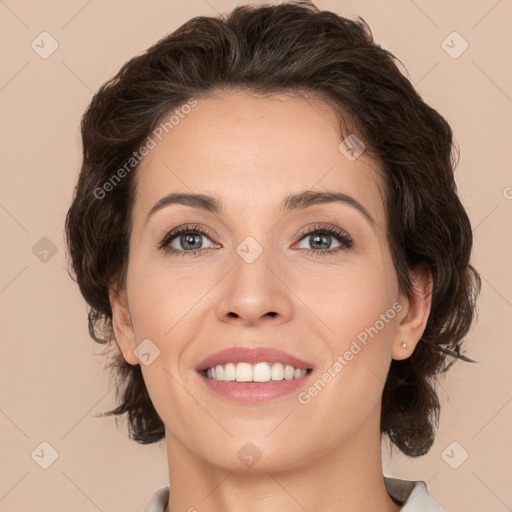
x,y
255,392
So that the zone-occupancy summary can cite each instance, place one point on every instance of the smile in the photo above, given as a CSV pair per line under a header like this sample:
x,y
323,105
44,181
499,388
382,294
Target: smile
x,y
259,372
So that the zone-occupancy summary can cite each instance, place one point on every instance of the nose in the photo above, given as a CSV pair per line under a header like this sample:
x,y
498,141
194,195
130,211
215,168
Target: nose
x,y
255,292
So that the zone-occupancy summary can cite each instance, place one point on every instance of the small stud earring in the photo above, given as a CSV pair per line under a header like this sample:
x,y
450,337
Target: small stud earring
x,y
404,345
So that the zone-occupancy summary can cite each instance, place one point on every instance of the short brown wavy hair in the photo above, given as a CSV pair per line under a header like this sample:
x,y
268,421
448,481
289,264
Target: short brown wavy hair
x,y
292,47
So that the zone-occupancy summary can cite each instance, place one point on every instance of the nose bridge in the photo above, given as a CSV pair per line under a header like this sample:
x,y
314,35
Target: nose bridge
x,y
253,291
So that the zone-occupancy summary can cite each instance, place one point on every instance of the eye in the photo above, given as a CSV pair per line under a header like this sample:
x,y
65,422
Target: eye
x,y
320,239
187,240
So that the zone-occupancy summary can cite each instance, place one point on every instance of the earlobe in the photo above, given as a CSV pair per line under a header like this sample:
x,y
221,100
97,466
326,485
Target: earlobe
x,y
122,324
417,310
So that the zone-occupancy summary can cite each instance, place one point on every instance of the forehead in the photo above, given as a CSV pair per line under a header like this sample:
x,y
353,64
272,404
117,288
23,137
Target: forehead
x,y
251,151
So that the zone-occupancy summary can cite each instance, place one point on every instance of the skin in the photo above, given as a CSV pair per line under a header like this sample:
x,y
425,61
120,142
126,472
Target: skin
x,y
251,152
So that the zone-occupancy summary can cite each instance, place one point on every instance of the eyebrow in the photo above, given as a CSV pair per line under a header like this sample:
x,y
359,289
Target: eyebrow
x,y
291,202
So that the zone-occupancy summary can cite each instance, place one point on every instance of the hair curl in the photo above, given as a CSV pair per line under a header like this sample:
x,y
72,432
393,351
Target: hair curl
x,y
293,47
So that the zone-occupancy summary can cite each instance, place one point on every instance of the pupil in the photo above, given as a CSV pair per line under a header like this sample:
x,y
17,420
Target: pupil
x,y
189,239
317,239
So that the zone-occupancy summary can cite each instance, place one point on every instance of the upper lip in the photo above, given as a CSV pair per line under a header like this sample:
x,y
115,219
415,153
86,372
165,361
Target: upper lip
x,y
252,355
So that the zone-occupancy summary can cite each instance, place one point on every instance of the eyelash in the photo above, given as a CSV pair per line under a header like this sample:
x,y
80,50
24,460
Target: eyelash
x,y
341,236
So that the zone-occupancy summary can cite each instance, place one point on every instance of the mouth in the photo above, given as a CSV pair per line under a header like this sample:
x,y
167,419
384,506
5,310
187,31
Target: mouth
x,y
253,374
244,364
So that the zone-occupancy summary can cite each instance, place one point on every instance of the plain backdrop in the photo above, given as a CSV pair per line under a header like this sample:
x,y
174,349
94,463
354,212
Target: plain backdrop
x,y
52,381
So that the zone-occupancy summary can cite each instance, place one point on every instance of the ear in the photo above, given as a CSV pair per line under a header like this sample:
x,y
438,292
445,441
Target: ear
x,y
122,323
415,313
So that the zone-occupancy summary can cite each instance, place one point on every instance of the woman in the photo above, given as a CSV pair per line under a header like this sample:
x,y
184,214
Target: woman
x,y
267,231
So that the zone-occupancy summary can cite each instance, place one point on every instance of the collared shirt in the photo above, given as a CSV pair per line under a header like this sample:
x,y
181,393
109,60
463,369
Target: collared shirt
x,y
413,495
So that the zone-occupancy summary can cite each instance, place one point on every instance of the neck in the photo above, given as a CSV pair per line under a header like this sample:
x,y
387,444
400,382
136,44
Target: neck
x,y
342,478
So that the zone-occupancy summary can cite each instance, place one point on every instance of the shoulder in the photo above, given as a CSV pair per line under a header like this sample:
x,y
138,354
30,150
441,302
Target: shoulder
x,y
412,494
159,500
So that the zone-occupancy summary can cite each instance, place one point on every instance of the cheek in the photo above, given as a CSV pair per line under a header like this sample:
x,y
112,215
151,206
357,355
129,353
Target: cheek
x,y
162,297
355,317
348,298
164,305
356,309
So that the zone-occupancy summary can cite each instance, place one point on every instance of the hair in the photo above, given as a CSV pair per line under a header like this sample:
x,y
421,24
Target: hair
x,y
268,49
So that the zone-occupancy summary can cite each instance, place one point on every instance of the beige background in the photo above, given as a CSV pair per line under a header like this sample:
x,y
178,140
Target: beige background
x,y
51,381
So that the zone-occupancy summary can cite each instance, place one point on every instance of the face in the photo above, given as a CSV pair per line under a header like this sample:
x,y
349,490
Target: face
x,y
264,269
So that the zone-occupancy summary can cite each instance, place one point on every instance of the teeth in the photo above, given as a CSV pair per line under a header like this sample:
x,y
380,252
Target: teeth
x,y
259,372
